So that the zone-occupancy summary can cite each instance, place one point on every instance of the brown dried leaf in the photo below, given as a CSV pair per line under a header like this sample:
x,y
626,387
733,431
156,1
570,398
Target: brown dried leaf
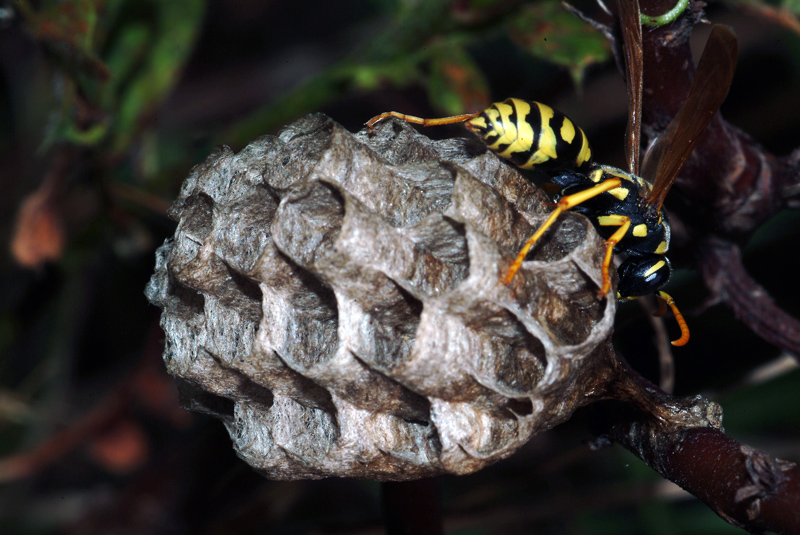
x,y
39,235
122,448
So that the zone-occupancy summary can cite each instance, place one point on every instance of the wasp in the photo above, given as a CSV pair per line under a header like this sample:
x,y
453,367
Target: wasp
x,y
625,207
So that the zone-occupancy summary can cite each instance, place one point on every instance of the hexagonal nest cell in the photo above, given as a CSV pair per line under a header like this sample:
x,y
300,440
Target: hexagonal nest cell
x,y
335,299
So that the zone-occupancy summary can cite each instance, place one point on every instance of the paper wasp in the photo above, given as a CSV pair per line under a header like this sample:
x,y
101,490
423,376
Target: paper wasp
x,y
625,207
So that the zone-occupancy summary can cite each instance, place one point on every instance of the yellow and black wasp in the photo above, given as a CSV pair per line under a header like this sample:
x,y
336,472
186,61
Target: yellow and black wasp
x,y
625,207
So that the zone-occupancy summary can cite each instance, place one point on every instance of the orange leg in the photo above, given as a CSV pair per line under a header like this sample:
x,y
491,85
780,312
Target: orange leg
x,y
419,120
565,203
625,224
678,317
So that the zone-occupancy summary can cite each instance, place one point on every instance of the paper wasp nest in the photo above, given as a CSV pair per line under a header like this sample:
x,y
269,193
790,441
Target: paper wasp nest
x,y
336,300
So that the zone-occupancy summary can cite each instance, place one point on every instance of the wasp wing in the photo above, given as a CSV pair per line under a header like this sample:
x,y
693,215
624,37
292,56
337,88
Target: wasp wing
x,y
631,26
665,158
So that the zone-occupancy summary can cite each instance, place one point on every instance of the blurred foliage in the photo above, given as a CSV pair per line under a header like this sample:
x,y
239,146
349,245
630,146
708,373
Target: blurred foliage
x,y
546,30
106,105
781,12
455,83
790,5
428,44
119,60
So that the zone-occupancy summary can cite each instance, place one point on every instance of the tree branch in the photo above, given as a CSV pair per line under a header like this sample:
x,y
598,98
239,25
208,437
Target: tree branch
x,y
731,185
725,275
746,487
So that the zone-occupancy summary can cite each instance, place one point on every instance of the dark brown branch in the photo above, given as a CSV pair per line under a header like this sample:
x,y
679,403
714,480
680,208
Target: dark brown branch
x,y
55,447
725,275
731,184
744,486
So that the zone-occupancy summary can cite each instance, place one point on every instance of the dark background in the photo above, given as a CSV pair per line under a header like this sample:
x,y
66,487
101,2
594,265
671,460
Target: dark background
x,y
110,108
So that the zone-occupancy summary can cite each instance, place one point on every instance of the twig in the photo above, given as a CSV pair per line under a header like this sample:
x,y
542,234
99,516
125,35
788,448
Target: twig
x,y
666,361
725,275
29,462
746,487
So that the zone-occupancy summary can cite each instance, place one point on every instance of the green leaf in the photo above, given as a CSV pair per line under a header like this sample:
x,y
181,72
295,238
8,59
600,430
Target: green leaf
x,y
398,72
456,85
174,31
125,54
547,31
66,30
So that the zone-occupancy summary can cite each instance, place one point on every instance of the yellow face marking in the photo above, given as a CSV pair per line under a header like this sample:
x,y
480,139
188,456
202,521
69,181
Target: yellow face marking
x,y
612,220
655,268
619,193
640,230
567,131
596,175
662,248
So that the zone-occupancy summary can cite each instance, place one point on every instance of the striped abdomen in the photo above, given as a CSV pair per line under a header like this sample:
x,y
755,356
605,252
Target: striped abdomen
x,y
532,134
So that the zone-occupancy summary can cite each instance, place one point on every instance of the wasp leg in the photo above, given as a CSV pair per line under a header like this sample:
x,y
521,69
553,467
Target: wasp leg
x,y
565,203
678,317
624,223
419,120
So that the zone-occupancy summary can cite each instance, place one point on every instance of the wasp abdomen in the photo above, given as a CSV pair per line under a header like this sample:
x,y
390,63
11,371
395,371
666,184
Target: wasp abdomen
x,y
532,134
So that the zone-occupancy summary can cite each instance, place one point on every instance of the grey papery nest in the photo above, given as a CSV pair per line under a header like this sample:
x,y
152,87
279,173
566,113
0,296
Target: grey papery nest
x,y
336,300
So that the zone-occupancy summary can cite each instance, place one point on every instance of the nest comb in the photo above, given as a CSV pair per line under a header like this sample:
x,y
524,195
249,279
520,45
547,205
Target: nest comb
x,y
335,299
